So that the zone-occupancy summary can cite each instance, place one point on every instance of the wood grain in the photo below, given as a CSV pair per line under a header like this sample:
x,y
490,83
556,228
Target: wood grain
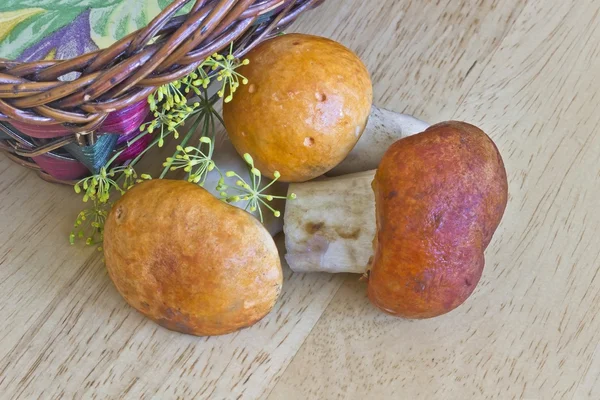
x,y
530,330
527,72
423,56
88,343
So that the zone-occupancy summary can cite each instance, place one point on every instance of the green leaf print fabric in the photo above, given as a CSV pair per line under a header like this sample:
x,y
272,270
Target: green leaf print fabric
x,y
61,29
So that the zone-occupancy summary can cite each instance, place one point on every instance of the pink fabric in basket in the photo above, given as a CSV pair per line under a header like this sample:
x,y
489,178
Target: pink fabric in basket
x,y
125,122
121,122
135,149
62,168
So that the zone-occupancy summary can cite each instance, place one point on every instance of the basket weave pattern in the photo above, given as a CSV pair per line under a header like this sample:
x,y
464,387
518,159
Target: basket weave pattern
x,y
108,80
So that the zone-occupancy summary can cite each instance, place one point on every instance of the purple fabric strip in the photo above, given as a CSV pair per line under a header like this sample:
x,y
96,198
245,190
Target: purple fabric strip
x,y
136,148
68,42
61,168
127,120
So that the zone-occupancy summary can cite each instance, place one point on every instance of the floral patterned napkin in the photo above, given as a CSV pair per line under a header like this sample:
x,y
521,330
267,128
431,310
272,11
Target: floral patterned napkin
x,y
33,30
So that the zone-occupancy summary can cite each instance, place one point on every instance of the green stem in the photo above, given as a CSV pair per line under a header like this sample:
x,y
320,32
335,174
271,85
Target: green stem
x,y
118,153
183,143
266,205
260,213
215,113
206,103
150,145
204,130
213,131
267,186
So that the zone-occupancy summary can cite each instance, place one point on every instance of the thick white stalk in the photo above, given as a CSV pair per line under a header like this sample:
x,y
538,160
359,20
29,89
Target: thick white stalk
x,y
383,128
330,226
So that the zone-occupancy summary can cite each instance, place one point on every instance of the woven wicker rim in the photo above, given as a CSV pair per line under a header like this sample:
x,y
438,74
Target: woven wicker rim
x,y
110,79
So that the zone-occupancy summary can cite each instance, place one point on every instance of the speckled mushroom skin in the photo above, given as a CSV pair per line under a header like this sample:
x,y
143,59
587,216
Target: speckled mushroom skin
x,y
189,261
440,196
305,107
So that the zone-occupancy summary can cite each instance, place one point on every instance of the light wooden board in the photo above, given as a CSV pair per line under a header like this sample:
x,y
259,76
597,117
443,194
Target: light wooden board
x,y
530,330
526,71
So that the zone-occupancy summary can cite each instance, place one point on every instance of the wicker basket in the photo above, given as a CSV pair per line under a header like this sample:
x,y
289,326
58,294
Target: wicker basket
x,y
42,113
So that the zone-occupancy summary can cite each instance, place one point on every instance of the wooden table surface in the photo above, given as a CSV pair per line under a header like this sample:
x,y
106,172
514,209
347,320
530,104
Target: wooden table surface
x,y
528,73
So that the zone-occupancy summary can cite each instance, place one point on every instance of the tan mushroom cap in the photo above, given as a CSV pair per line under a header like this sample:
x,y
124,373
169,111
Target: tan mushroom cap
x,y
189,261
305,107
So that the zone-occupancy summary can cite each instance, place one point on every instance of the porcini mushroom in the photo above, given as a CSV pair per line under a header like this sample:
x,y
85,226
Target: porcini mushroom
x,y
189,261
304,108
419,234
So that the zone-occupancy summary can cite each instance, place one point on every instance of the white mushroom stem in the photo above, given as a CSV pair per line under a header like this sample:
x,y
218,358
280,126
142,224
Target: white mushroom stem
x,y
383,128
330,226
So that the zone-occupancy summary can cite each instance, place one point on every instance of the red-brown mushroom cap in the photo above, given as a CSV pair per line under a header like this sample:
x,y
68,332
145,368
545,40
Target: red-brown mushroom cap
x,y
439,196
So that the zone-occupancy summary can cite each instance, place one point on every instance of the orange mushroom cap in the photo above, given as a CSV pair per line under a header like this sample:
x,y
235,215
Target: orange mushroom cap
x,y
189,261
305,106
